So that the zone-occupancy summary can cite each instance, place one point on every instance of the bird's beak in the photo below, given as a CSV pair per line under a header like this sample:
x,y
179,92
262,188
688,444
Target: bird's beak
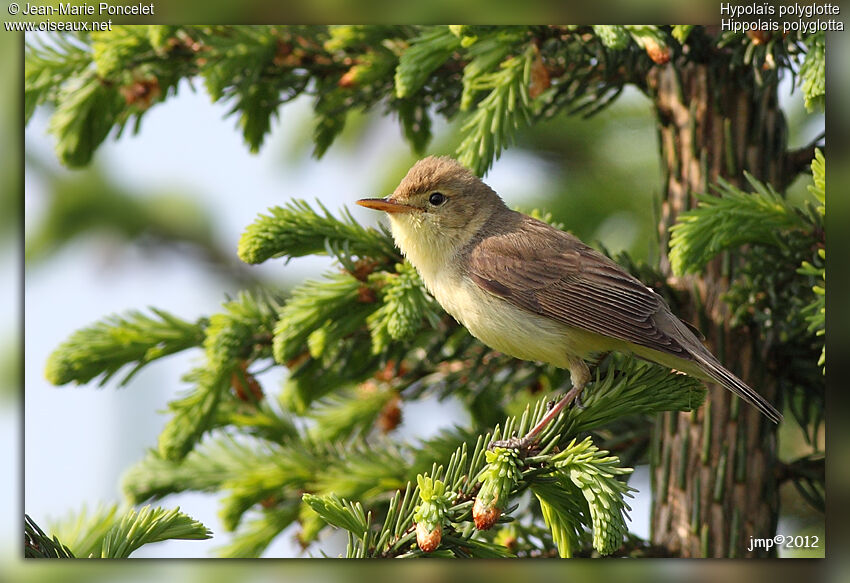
x,y
386,204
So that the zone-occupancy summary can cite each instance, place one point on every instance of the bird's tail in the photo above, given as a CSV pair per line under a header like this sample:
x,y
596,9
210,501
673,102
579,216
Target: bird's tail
x,y
715,370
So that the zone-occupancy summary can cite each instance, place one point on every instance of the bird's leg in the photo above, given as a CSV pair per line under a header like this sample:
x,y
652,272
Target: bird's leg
x,y
586,375
580,376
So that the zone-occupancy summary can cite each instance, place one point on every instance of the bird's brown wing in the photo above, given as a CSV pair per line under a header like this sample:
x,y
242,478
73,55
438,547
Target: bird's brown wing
x,y
551,273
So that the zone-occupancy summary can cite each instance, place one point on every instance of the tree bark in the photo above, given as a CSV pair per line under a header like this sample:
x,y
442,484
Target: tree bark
x,y
713,470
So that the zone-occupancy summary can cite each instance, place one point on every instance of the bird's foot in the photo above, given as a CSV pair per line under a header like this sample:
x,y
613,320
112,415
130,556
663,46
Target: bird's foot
x,y
525,445
522,445
577,402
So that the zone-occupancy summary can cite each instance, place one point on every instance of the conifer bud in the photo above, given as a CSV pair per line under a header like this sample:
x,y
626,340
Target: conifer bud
x,y
430,513
141,92
245,384
498,479
350,78
759,37
390,416
658,52
540,80
427,540
485,514
507,537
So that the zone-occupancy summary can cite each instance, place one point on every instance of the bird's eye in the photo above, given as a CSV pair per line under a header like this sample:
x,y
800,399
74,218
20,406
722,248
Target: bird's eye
x,y
437,198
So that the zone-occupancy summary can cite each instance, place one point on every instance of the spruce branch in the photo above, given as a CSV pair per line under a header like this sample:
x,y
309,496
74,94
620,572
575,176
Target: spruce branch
x,y
815,312
234,337
425,54
280,471
255,535
396,536
194,414
813,71
123,76
101,81
613,36
296,230
84,530
366,80
564,511
49,67
651,39
259,68
38,545
242,330
216,460
87,111
253,413
265,476
260,475
350,414
485,56
255,474
347,516
594,472
342,367
406,307
593,477
783,233
585,76
627,386
681,32
112,50
415,123
731,219
149,525
362,470
321,312
110,534
105,347
490,128
238,74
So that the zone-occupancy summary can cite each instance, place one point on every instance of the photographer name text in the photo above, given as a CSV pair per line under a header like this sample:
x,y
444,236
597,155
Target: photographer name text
x,y
99,9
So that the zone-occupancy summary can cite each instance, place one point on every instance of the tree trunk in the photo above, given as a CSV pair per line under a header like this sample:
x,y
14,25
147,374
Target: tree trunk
x,y
713,470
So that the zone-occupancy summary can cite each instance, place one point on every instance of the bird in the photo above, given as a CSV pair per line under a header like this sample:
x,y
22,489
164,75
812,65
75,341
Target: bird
x,y
532,291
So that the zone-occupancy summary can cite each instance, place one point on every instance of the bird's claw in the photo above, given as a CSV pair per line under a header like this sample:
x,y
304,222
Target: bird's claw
x,y
522,445
577,402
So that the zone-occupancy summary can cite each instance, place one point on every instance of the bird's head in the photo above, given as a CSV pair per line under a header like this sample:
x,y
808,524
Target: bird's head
x,y
440,205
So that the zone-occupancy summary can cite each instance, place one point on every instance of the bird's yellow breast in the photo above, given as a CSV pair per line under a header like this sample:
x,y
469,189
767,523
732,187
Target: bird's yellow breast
x,y
509,329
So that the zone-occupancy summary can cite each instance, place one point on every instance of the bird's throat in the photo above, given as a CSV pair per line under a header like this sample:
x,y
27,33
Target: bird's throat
x,y
431,253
